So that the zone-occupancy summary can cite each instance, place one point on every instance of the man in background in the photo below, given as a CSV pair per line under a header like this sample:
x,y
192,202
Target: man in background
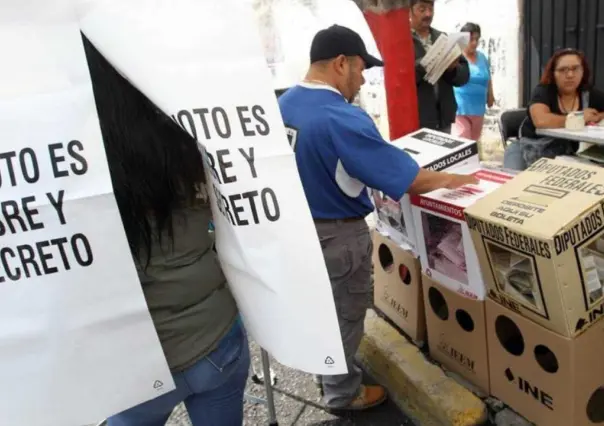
x,y
437,105
339,153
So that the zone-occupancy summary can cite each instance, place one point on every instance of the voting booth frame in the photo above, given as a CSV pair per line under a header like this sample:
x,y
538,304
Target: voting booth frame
x,y
267,379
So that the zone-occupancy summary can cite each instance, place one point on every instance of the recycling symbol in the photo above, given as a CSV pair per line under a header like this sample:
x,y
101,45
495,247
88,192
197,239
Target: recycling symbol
x,y
329,361
158,384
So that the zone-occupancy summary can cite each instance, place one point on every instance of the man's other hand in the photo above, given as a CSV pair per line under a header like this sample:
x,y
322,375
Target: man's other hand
x,y
456,181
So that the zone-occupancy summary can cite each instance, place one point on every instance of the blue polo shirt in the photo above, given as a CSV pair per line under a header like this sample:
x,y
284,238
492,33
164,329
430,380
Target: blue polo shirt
x,y
340,152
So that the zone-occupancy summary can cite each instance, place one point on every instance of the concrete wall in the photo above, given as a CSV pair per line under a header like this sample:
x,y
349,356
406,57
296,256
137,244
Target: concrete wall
x,y
500,21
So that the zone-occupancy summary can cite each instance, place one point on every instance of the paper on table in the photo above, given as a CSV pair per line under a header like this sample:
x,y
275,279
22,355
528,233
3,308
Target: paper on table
x,y
594,153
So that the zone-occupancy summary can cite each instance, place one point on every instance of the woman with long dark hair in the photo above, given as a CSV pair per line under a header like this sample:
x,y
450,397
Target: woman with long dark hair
x,y
565,87
158,179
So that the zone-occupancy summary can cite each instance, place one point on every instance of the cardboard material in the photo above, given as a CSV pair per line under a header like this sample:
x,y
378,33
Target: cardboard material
x,y
540,243
444,244
457,332
398,286
431,150
549,379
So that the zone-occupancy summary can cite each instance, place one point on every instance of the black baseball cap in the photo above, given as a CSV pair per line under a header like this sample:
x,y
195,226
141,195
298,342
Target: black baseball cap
x,y
337,40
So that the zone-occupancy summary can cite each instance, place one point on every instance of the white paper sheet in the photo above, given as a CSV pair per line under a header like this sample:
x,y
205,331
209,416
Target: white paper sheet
x,y
76,339
208,55
445,50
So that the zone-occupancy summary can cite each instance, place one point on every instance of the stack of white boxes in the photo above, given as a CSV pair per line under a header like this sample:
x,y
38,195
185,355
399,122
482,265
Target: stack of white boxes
x,y
398,284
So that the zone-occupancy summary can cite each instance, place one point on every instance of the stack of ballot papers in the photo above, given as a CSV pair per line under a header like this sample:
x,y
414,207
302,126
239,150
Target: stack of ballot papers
x,y
515,276
594,153
445,50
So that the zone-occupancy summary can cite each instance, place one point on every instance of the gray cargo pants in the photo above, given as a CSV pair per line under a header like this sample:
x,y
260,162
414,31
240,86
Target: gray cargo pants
x,y
347,249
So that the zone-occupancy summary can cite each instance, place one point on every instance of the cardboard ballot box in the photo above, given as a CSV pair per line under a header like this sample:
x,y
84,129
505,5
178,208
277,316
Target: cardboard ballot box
x,y
431,150
550,379
457,332
444,244
397,286
540,243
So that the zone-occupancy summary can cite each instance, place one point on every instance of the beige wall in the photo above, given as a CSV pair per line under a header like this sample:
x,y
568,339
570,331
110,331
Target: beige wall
x,y
501,34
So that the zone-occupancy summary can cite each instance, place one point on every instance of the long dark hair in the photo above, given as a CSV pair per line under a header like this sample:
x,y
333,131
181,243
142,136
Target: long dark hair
x,y
548,78
156,166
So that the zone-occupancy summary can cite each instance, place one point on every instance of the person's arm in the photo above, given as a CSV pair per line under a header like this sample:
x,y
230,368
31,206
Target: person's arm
x,y
459,73
366,156
490,92
428,181
490,95
420,71
596,101
544,118
540,110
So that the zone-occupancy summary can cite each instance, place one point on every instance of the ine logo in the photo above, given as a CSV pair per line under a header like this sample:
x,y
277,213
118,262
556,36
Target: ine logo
x,y
329,361
524,386
504,301
594,315
158,385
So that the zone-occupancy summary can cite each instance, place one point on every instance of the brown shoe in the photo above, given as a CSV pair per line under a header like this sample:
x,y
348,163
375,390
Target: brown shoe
x,y
369,397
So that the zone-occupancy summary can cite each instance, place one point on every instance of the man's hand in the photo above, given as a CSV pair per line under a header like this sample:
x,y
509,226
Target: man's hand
x,y
377,199
427,181
591,115
456,181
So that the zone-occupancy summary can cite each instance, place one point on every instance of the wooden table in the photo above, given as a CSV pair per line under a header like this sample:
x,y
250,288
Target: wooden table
x,y
590,134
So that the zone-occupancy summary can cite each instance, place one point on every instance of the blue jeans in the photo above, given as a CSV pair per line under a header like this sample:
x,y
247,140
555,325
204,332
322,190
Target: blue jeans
x,y
513,157
212,389
523,153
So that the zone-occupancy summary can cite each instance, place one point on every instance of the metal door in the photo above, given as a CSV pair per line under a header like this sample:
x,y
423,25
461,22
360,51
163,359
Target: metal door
x,y
553,24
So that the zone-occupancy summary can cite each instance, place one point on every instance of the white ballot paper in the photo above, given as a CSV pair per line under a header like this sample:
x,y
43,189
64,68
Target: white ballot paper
x,y
446,49
76,339
201,62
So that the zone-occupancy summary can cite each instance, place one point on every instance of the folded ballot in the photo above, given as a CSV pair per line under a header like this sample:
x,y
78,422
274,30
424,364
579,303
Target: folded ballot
x,y
445,50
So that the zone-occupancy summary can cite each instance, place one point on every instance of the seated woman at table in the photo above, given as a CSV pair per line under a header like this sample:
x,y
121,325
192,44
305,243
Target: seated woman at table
x,y
565,87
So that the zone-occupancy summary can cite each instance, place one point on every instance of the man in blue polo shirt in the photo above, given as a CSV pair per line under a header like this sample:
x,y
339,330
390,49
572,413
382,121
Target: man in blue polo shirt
x,y
340,153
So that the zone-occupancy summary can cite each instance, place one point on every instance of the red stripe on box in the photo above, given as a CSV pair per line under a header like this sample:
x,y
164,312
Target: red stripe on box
x,y
492,176
446,209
